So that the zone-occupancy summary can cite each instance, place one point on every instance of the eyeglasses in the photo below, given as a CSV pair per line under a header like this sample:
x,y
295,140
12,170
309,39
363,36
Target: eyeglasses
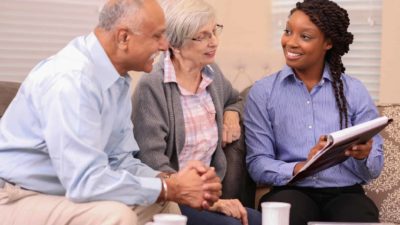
x,y
206,36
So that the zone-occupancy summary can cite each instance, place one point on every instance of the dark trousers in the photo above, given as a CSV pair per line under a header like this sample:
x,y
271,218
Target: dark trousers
x,y
196,217
342,204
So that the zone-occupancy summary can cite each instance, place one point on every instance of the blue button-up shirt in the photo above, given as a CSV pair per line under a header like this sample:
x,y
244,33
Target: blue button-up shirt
x,y
283,121
68,131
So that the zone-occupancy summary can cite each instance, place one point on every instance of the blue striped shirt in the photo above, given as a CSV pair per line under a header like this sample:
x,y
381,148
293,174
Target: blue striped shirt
x,y
283,121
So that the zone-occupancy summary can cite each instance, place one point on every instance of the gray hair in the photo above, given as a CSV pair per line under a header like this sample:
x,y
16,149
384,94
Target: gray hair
x,y
185,18
120,11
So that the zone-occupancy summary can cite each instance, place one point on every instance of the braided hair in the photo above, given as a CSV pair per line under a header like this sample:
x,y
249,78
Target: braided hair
x,y
333,22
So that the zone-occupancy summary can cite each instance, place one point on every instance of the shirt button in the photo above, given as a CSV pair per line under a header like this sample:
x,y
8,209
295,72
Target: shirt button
x,y
310,126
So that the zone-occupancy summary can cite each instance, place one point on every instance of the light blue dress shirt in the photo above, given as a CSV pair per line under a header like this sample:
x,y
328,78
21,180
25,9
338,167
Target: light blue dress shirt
x,y
283,121
68,131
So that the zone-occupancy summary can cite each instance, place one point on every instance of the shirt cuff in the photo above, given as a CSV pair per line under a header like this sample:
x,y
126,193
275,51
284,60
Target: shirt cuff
x,y
153,188
286,172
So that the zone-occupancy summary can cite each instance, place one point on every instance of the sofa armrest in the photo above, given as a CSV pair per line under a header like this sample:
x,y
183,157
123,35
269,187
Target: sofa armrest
x,y
385,190
8,90
237,182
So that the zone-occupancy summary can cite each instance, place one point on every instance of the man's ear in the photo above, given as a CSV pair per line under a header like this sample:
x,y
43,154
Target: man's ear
x,y
175,50
123,37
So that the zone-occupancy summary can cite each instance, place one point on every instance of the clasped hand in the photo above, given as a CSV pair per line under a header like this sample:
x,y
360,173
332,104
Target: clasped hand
x,y
197,186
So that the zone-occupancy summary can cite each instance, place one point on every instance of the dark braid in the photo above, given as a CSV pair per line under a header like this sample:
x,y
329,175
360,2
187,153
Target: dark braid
x,y
333,21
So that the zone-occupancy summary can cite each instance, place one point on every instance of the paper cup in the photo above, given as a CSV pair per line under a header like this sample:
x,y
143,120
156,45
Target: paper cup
x,y
275,213
168,219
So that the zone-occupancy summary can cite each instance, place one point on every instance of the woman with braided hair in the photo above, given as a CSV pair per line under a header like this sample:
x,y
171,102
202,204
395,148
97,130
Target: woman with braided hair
x,y
287,114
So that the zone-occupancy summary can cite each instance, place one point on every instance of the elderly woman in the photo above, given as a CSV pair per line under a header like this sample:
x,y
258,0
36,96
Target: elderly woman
x,y
186,110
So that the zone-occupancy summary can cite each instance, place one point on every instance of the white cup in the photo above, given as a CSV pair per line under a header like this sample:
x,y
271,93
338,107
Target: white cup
x,y
275,213
168,219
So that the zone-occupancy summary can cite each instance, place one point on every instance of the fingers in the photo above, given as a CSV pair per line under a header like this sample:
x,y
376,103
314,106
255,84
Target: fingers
x,y
232,207
206,205
209,200
225,134
212,187
230,135
238,211
323,138
210,175
199,186
298,167
320,145
196,165
243,213
212,192
231,127
360,151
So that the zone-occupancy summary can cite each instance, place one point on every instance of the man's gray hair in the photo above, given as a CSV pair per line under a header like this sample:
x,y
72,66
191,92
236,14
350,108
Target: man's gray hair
x,y
185,18
115,12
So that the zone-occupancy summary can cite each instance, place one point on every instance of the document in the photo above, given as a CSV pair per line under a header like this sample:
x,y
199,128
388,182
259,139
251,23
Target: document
x,y
333,152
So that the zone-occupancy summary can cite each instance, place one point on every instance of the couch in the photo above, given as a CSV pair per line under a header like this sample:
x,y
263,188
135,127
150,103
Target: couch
x,y
7,93
384,191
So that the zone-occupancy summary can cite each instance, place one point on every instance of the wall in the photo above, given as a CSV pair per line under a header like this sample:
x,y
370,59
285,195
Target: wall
x,y
246,53
390,79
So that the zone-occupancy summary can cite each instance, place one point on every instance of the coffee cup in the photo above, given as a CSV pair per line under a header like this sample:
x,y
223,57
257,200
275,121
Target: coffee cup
x,y
275,213
168,219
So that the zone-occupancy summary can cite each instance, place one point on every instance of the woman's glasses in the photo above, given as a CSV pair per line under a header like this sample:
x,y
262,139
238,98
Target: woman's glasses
x,y
205,37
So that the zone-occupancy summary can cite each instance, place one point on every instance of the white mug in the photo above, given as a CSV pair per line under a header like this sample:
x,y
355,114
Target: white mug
x,y
168,219
275,213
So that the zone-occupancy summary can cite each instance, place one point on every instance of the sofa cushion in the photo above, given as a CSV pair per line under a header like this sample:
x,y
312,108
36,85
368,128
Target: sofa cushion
x,y
385,190
8,90
237,182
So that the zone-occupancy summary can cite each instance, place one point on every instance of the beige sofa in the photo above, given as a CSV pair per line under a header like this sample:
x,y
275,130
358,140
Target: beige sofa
x,y
385,191
7,93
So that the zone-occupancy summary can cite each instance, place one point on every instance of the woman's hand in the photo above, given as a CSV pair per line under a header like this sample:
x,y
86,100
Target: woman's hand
x,y
320,145
231,207
231,127
360,151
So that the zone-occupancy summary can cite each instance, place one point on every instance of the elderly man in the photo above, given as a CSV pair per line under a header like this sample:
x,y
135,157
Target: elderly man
x,y
66,140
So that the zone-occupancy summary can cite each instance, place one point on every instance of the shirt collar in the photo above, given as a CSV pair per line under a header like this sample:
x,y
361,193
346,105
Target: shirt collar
x,y
287,72
104,70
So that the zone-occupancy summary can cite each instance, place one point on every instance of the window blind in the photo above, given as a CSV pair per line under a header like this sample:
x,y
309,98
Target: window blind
x,y
32,30
363,59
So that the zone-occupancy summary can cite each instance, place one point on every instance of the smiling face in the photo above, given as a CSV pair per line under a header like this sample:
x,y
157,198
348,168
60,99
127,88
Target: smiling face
x,y
202,47
303,43
144,45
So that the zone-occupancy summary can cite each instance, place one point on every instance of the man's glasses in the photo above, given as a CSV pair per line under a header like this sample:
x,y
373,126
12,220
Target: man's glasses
x,y
205,37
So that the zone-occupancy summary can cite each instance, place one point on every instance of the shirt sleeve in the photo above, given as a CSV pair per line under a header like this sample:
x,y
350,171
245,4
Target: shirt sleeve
x,y
260,158
365,110
89,169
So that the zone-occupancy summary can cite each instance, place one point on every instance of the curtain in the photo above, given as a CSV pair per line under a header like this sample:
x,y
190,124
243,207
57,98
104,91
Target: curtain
x,y
32,30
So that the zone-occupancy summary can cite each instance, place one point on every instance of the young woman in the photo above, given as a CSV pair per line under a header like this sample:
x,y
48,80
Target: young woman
x,y
287,114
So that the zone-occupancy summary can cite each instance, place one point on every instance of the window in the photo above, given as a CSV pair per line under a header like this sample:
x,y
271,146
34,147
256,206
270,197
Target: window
x,y
363,59
32,30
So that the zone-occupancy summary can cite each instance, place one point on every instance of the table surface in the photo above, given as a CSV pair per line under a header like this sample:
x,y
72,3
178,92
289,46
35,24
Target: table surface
x,y
346,223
